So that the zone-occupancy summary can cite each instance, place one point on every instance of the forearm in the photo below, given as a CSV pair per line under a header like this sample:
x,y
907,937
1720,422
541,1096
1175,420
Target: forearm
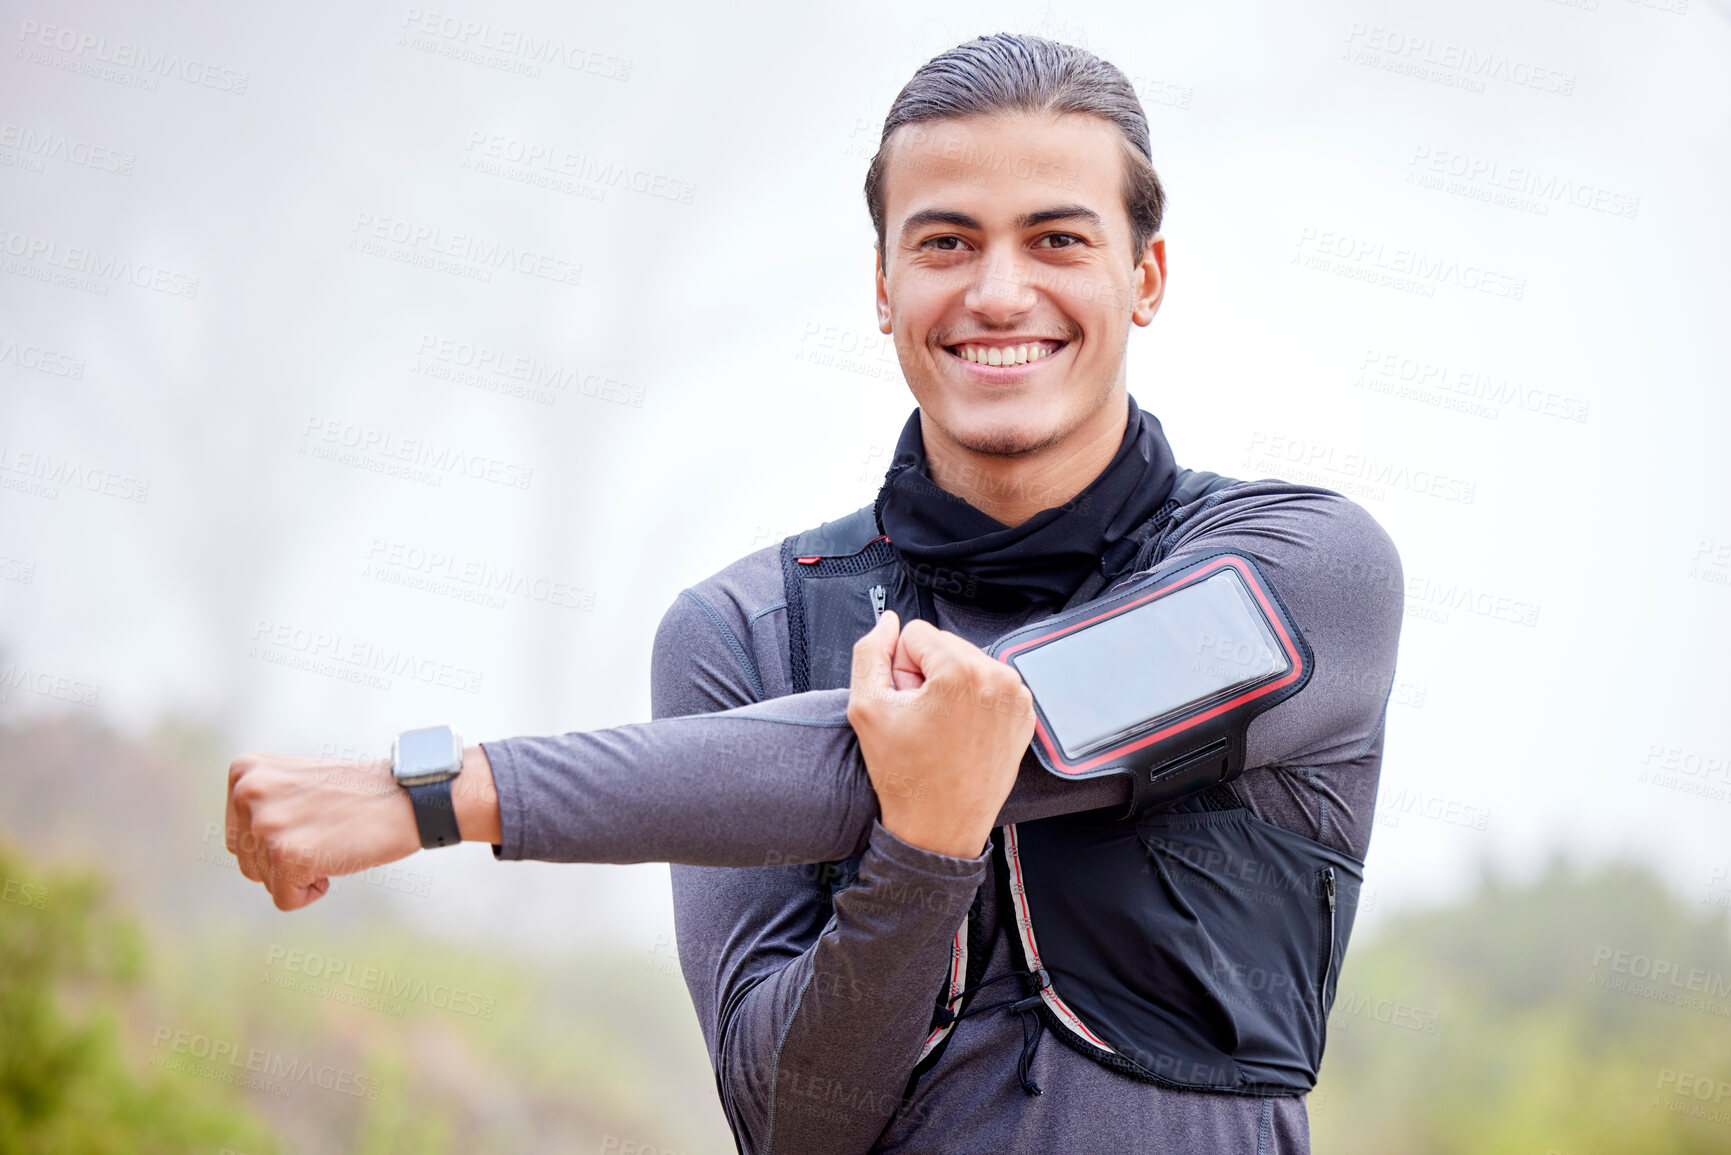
x,y
779,781
816,1056
776,781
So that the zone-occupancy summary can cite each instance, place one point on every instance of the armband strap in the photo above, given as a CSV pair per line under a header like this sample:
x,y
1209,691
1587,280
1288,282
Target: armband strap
x,y
1160,680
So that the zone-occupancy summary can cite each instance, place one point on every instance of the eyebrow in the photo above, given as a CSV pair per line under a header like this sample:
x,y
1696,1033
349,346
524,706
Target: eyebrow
x,y
1062,213
963,221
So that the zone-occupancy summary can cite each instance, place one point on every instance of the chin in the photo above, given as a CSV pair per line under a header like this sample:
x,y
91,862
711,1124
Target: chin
x,y
1001,434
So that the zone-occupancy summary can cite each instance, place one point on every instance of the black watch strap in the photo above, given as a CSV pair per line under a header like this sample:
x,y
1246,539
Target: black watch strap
x,y
435,814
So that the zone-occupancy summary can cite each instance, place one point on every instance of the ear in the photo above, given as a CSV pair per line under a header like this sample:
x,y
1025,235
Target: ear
x,y
1150,281
883,295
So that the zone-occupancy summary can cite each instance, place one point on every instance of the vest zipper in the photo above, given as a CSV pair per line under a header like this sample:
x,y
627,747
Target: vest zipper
x,y
1328,953
879,601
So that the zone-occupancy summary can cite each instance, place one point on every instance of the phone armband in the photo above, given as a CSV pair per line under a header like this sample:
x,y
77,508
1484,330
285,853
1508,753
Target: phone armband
x,y
1159,680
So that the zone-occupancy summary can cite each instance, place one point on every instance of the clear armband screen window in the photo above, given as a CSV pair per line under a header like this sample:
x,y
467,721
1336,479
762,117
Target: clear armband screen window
x,y
1167,656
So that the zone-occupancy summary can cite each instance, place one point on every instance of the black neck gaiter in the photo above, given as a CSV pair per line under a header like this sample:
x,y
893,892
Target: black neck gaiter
x,y
955,550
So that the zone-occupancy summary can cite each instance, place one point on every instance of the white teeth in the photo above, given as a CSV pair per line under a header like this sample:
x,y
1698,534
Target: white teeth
x,y
998,355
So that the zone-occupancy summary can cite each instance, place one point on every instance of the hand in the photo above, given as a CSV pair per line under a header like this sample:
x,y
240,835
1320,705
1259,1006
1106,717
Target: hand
x,y
942,727
295,822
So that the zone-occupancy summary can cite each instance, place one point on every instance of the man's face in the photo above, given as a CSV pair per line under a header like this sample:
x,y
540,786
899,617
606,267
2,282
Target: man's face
x,y
1006,239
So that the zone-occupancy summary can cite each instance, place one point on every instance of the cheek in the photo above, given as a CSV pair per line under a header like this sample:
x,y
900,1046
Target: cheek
x,y
1110,309
1095,320
909,312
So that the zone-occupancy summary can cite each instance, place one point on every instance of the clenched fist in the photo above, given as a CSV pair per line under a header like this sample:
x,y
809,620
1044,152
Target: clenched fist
x,y
295,822
942,726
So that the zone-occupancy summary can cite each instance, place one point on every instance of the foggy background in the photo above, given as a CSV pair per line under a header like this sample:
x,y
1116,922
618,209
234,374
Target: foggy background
x,y
1464,264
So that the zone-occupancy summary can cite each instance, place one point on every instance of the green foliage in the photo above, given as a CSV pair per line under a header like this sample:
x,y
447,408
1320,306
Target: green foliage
x,y
66,965
1518,1022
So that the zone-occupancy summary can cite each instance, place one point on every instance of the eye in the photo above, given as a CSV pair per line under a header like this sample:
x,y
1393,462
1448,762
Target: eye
x,y
944,244
1061,240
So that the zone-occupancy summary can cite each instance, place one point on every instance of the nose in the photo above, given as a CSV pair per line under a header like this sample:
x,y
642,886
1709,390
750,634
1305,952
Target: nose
x,y
1003,287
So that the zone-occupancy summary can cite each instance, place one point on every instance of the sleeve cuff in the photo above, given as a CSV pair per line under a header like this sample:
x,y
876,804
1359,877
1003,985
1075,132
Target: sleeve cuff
x,y
908,894
887,848
508,789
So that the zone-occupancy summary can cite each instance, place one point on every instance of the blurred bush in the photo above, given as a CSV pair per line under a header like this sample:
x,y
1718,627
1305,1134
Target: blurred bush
x,y
1584,1013
67,966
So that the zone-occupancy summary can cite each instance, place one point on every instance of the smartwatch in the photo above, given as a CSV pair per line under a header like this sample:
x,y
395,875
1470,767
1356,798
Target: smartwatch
x,y
424,762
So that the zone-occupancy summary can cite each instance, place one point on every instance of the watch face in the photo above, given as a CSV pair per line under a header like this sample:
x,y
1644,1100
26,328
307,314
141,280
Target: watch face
x,y
427,755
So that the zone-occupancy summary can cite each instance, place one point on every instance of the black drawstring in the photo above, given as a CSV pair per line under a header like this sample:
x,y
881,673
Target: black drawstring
x,y
1028,1008
1032,1025
945,1016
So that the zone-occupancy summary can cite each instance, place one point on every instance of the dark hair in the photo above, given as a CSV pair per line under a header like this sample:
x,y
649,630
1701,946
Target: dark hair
x,y
1011,72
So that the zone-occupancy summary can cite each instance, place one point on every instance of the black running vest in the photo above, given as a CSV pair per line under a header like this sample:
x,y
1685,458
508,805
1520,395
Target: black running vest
x,y
1192,945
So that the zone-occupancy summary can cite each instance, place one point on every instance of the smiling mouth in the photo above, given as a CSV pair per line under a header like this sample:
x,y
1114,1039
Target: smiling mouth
x,y
1025,353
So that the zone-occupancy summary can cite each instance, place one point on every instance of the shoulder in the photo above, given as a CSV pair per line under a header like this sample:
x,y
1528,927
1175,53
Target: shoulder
x,y
716,645
734,594
754,585
1292,527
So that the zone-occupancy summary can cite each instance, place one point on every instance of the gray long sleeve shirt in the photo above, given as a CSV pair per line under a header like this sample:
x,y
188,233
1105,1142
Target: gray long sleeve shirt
x,y
815,1010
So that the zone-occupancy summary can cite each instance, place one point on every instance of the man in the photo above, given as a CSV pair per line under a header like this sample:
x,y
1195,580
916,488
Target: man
x,y
894,999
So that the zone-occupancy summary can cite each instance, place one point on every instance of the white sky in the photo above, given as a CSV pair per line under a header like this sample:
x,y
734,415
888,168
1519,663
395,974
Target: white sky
x,y
1285,135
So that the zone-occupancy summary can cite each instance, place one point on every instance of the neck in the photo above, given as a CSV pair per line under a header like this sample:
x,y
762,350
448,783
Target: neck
x,y
1013,489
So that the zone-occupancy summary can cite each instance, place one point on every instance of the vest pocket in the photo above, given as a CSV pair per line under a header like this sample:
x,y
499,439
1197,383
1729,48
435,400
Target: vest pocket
x,y
1200,946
